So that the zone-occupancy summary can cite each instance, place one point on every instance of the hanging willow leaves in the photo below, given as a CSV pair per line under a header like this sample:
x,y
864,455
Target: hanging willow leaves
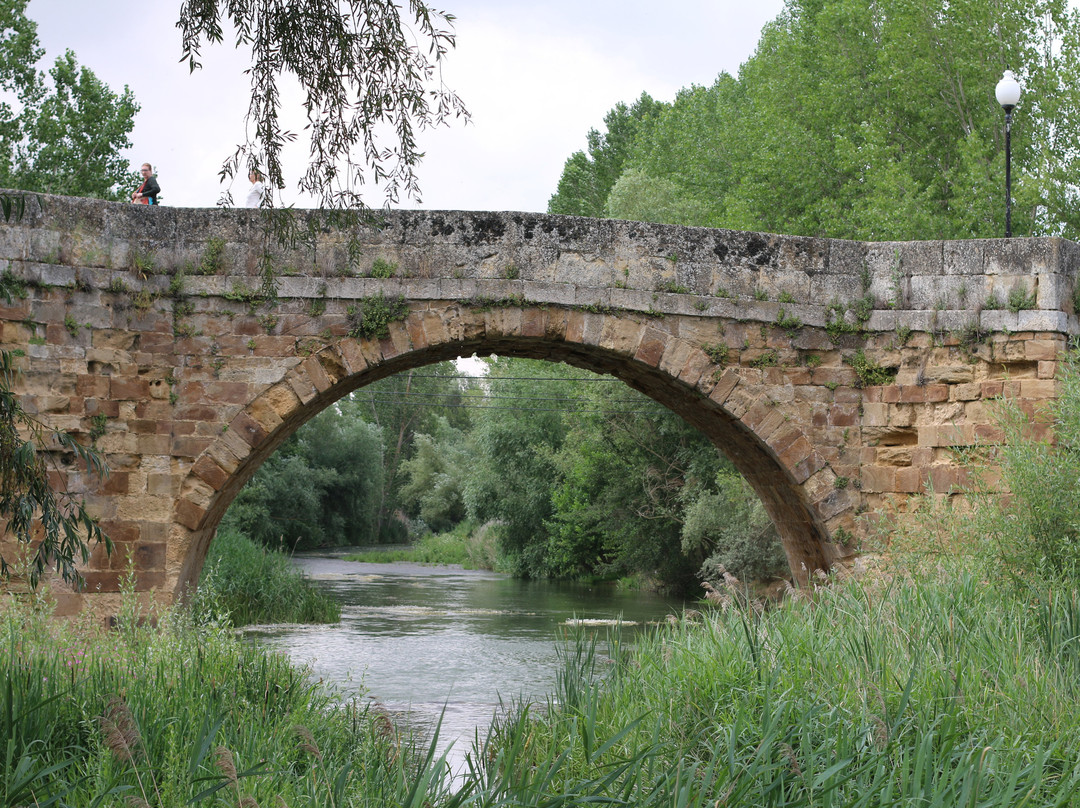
x,y
369,73
54,525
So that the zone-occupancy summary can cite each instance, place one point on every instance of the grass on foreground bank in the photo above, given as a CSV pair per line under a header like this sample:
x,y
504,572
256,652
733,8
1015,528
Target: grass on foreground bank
x,y
184,713
936,692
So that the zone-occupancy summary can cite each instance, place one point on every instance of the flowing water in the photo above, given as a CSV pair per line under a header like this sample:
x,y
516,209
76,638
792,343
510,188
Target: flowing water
x,y
430,641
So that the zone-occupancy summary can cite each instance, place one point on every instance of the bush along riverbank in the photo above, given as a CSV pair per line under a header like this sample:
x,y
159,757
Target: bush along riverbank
x,y
249,583
471,546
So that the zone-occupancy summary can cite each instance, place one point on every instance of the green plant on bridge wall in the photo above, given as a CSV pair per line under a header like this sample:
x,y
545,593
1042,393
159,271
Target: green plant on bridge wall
x,y
869,373
370,317
212,261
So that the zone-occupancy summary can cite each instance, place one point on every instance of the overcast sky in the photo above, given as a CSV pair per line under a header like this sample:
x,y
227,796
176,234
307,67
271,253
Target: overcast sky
x,y
535,75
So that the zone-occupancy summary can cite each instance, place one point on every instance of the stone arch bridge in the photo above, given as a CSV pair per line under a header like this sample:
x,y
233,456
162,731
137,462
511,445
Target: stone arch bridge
x,y
838,376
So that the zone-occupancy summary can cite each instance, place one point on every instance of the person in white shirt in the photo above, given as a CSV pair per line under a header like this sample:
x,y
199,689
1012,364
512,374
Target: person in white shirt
x,y
257,189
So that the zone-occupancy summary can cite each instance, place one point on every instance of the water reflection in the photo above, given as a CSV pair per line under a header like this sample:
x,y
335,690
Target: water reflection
x,y
426,640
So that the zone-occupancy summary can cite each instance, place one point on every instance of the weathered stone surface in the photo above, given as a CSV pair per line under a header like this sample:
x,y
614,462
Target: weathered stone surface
x,y
688,315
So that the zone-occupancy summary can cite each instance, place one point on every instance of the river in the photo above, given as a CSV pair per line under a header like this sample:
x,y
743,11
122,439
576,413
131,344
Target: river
x,y
428,641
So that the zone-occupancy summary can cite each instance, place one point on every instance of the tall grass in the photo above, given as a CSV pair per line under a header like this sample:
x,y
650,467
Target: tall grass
x,y
185,714
253,584
467,545
935,693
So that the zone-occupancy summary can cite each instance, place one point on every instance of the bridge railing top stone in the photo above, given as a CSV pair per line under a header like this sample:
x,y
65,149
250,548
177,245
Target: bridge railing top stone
x,y
530,258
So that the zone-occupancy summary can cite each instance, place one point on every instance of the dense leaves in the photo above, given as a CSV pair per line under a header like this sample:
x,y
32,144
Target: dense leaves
x,y
65,131
336,480
323,487
867,121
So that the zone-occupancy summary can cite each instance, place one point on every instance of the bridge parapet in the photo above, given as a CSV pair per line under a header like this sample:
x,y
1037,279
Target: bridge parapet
x,y
839,376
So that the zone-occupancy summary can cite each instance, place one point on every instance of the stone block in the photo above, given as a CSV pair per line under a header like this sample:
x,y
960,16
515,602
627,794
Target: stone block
x,y
878,479
1043,349
724,386
620,336
1034,389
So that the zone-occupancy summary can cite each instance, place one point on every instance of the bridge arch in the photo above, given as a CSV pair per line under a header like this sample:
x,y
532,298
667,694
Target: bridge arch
x,y
838,376
734,409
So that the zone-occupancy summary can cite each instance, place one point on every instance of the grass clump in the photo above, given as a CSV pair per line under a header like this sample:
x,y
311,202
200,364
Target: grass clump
x,y
381,268
935,692
1021,299
370,317
251,584
466,545
185,713
869,372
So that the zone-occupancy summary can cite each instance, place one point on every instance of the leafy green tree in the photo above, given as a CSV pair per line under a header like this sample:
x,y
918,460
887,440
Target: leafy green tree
x,y
728,524
514,471
347,453
281,506
65,132
872,121
628,468
321,488
587,179
369,73
402,406
639,197
433,477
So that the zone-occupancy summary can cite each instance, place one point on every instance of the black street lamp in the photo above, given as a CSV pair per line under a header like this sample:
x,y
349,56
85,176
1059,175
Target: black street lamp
x,y
1008,95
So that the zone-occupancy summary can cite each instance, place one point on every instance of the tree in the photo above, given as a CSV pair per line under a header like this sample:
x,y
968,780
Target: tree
x,y
639,197
513,473
67,130
402,406
434,476
587,179
366,68
874,121
322,488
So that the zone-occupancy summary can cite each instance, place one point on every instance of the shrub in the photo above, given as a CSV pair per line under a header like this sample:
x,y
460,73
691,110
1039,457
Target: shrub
x,y
254,584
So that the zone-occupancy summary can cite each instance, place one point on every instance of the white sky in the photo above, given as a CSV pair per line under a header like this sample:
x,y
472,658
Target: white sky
x,y
535,75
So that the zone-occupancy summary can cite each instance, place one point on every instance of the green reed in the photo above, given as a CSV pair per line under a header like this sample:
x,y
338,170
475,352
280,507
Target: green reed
x,y
936,692
255,584
185,713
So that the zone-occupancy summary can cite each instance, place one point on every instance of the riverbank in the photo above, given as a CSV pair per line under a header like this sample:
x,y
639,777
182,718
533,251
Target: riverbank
x,y
940,690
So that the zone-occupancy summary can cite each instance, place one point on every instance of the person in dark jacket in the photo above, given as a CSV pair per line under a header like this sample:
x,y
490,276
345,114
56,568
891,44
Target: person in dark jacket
x,y
147,193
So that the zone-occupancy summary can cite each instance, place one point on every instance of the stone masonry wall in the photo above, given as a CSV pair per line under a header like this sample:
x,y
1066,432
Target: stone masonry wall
x,y
153,332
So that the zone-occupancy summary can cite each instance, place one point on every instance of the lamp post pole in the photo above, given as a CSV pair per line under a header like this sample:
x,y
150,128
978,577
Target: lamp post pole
x,y
1008,95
